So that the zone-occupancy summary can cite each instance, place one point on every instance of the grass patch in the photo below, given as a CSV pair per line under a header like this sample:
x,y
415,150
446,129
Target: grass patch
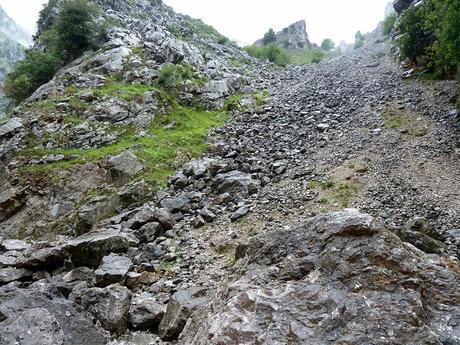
x,y
308,56
334,192
392,120
159,149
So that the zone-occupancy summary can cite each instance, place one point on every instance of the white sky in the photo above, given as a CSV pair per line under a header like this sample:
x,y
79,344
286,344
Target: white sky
x,y
247,20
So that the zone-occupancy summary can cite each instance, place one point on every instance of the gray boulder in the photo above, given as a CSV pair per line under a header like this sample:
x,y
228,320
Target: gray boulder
x,y
41,316
113,269
109,306
145,312
338,278
236,182
89,249
125,166
8,275
181,306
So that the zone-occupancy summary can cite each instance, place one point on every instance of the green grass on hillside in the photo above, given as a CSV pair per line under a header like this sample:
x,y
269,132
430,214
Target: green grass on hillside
x,y
181,132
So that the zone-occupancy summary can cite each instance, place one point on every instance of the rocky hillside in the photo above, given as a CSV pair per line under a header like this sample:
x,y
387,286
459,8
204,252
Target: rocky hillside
x,y
324,208
12,43
292,37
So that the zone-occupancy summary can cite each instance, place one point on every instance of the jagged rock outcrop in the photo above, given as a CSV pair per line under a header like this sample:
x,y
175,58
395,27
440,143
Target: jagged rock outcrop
x,y
401,5
292,37
338,278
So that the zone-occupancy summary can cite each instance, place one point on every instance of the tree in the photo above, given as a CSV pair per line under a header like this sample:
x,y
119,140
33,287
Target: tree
x,y
74,28
389,23
328,44
269,37
28,75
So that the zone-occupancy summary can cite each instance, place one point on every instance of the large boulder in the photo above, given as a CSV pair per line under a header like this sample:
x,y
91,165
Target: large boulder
x,y
146,312
113,269
89,249
109,306
40,315
338,278
235,182
181,306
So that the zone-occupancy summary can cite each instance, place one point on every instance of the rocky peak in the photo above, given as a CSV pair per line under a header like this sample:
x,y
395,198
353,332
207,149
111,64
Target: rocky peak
x,y
292,37
401,5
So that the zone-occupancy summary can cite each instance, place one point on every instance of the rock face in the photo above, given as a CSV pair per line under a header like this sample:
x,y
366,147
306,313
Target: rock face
x,y
401,5
292,37
340,278
42,316
12,44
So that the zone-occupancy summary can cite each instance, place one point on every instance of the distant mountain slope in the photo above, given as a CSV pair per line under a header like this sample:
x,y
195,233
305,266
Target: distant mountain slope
x,y
9,27
12,42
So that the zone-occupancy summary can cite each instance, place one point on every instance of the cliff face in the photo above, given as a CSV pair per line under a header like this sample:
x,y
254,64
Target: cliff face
x,y
292,37
12,41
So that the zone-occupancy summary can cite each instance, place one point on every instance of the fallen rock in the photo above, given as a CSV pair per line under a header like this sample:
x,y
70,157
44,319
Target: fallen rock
x,y
109,305
39,315
145,312
89,249
8,275
113,269
180,307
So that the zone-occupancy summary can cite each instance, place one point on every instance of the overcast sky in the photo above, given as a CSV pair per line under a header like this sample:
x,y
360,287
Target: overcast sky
x,y
247,20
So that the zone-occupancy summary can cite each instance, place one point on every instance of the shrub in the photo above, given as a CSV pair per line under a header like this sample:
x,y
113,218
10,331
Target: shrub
x,y
416,34
328,44
75,29
431,32
28,75
389,23
171,76
271,52
269,37
358,44
46,11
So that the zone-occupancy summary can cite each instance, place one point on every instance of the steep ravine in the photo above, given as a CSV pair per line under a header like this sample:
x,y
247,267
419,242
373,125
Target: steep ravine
x,y
326,210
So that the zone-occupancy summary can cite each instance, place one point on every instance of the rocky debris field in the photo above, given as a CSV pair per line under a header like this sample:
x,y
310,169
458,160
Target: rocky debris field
x,y
325,212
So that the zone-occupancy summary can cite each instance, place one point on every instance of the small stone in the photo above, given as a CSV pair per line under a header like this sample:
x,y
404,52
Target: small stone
x,y
241,212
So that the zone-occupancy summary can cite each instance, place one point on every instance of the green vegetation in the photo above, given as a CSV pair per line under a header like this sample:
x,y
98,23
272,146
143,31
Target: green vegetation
x,y
308,56
269,37
271,52
389,23
328,44
430,36
36,69
234,102
359,44
74,29
73,32
342,192
173,76
181,132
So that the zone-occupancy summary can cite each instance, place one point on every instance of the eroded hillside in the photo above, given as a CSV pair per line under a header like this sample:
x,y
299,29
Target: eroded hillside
x,y
168,188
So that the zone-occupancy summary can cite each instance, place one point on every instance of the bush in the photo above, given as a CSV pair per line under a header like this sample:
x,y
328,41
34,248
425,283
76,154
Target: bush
x,y
389,23
28,75
269,37
271,52
358,44
430,33
328,44
171,76
75,29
